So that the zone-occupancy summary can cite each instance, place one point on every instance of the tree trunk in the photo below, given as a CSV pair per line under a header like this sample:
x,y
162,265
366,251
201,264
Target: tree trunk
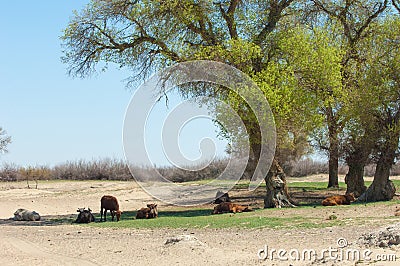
x,y
333,168
277,191
382,188
355,178
253,160
277,195
333,149
356,160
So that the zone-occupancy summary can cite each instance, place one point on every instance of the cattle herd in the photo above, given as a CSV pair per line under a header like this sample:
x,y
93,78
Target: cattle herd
x,y
223,201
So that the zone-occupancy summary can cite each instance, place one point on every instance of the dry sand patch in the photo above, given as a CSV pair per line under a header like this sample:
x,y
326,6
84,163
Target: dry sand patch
x,y
69,244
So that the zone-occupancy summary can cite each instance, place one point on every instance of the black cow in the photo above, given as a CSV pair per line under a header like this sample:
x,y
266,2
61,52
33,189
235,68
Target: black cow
x,y
84,216
221,197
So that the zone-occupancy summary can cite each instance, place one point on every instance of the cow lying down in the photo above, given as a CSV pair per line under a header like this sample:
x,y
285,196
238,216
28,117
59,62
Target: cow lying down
x,y
26,215
147,213
222,197
226,207
84,216
339,200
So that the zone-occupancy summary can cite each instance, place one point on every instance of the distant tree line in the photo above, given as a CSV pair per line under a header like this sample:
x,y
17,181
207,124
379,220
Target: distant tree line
x,y
109,169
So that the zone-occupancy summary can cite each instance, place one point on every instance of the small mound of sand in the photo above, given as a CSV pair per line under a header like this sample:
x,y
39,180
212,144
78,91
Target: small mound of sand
x,y
385,237
184,238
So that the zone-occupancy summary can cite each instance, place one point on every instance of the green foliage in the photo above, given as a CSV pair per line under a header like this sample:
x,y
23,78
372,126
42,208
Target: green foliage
x,y
301,79
375,87
332,217
380,70
237,52
315,56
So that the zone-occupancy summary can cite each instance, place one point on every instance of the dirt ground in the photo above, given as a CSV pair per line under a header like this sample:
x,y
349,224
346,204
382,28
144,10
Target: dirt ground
x,y
41,243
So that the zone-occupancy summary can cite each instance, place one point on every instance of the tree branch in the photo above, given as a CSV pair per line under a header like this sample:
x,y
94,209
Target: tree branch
x,y
381,8
396,5
275,13
229,17
343,15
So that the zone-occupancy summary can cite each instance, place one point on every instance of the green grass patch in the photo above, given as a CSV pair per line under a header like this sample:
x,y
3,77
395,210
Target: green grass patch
x,y
313,186
202,218
320,186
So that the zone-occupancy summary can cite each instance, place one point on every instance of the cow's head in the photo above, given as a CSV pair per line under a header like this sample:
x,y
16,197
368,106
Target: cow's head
x,y
350,197
215,211
118,214
153,210
84,216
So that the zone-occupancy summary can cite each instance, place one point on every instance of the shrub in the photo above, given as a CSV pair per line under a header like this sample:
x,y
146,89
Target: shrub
x,y
9,172
106,169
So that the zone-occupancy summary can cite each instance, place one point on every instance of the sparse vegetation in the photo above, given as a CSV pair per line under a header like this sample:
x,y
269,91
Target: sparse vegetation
x,y
111,169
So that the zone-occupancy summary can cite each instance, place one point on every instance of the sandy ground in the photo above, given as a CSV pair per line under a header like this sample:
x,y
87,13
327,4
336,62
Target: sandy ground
x,y
70,244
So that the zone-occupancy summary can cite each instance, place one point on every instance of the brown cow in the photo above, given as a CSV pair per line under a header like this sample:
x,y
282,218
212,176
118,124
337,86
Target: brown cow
x,y
339,200
110,203
147,213
225,207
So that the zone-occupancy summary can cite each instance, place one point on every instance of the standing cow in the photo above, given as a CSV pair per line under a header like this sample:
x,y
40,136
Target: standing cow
x,y
110,203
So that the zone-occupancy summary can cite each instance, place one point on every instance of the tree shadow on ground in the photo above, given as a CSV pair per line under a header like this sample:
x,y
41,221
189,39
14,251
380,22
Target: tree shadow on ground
x,y
129,215
46,220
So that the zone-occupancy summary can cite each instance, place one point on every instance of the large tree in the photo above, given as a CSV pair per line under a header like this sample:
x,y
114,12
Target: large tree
x,y
359,137
354,18
148,35
315,54
381,82
371,133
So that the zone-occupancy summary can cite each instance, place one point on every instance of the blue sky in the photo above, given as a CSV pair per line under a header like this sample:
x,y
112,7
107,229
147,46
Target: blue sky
x,y
51,117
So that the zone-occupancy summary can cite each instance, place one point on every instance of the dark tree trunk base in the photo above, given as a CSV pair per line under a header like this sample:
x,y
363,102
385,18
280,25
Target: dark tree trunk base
x,y
355,185
333,175
382,188
277,192
333,185
355,179
378,192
